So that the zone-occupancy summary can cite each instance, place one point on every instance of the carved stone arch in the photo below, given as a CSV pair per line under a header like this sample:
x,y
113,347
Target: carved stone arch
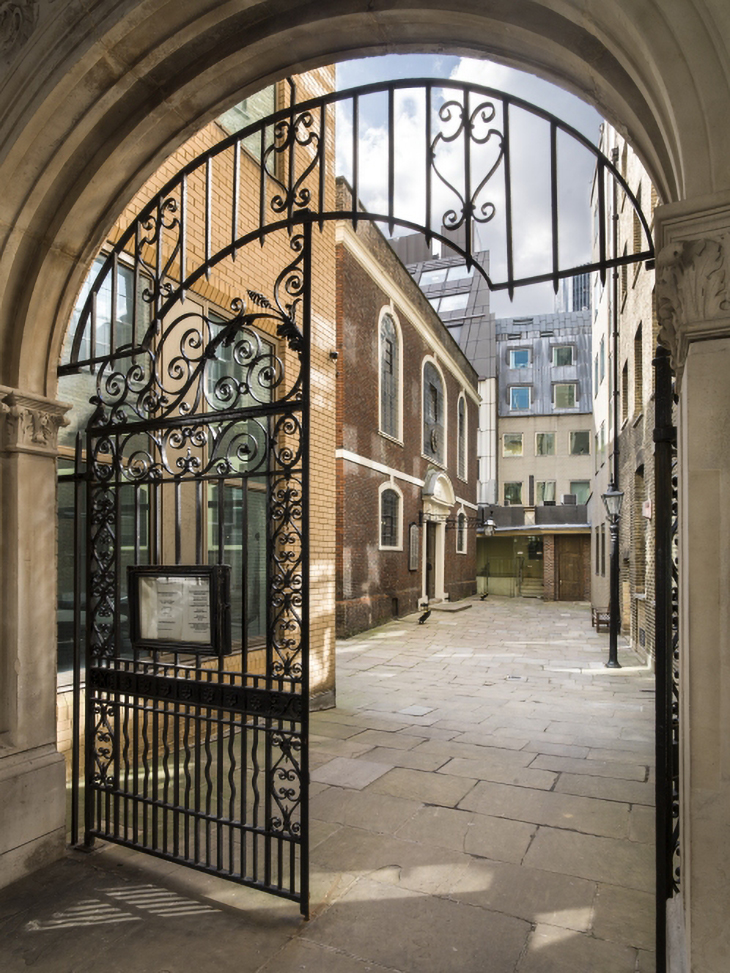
x,y
69,180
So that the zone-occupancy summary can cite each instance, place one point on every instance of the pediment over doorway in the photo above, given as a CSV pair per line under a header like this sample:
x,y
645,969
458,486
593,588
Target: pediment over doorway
x,y
437,488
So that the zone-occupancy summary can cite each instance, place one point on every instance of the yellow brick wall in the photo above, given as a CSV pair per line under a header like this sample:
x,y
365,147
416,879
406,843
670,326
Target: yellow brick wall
x,y
257,268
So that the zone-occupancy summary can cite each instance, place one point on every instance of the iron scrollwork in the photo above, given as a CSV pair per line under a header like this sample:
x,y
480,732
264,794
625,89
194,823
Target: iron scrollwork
x,y
288,134
467,123
285,783
675,825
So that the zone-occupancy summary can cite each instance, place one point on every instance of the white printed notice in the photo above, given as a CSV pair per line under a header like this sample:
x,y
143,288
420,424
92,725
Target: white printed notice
x,y
174,609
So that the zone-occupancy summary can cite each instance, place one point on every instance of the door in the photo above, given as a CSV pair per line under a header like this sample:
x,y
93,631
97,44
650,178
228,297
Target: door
x,y
570,569
430,561
197,594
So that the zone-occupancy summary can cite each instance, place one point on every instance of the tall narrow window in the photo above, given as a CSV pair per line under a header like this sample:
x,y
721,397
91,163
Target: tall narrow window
x,y
637,224
461,438
433,413
638,373
638,530
602,359
389,373
389,518
625,392
461,534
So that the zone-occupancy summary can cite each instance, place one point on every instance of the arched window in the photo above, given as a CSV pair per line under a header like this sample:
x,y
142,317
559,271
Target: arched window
x,y
461,438
389,518
434,437
461,534
389,377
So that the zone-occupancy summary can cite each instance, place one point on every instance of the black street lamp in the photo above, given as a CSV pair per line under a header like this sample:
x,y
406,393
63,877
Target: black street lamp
x,y
612,501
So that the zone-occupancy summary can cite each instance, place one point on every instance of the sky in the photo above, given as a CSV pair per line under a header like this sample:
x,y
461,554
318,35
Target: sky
x,y
530,149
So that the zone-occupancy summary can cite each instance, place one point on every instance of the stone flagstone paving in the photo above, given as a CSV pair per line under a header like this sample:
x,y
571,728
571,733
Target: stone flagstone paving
x,y
482,802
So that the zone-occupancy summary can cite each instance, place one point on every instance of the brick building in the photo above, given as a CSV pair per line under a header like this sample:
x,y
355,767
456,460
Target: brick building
x,y
407,408
624,409
211,299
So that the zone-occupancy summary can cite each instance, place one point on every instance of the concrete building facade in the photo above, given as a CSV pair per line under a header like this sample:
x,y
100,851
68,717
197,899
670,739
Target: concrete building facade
x,y
538,546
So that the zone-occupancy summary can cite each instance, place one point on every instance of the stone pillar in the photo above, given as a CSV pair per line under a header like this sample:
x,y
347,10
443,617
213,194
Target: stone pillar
x,y
32,772
693,304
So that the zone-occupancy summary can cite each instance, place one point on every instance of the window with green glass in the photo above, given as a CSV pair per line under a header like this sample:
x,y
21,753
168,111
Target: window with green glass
x,y
565,395
544,444
512,444
580,442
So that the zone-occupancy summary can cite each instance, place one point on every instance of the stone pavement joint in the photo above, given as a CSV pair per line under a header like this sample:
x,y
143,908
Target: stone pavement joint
x,y
481,802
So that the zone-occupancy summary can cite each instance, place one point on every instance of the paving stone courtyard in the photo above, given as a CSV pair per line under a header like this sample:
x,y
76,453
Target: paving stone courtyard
x,y
481,802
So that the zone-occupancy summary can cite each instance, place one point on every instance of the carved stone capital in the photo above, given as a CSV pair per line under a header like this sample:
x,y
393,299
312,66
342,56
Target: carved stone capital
x,y
18,20
30,423
693,293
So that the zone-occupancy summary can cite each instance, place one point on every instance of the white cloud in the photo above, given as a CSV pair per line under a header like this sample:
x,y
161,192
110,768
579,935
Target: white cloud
x,y
530,159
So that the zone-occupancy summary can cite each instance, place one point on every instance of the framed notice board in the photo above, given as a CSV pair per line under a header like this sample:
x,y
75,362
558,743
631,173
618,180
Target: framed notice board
x,y
180,608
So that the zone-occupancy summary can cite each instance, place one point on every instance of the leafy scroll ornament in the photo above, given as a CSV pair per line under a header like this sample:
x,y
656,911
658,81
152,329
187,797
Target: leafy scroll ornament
x,y
473,126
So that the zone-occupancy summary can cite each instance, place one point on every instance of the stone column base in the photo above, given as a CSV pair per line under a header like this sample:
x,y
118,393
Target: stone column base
x,y
32,811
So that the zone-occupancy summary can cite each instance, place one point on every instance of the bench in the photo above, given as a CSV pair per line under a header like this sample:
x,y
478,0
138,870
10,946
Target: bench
x,y
600,616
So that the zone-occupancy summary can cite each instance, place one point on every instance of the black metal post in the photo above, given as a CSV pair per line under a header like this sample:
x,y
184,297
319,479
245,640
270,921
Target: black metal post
x,y
613,662
665,439
613,606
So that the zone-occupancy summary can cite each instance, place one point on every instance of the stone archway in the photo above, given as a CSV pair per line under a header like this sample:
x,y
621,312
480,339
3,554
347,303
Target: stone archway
x,y
125,84
129,88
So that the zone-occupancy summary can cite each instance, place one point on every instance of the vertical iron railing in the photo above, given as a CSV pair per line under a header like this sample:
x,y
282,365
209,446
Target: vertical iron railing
x,y
78,587
294,186
666,641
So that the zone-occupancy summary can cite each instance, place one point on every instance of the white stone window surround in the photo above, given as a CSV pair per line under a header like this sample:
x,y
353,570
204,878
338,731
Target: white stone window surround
x,y
462,437
461,531
390,485
388,310
437,456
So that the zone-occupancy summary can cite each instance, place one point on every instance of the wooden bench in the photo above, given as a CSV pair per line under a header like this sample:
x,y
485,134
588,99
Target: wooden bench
x,y
600,616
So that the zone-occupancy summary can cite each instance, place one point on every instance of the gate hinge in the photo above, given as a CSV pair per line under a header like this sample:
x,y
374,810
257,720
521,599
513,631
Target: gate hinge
x,y
665,434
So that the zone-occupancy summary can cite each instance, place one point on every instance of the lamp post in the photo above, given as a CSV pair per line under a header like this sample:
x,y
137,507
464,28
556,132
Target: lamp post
x,y
488,527
612,501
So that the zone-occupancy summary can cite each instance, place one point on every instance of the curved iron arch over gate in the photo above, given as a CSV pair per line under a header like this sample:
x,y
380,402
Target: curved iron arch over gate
x,y
191,753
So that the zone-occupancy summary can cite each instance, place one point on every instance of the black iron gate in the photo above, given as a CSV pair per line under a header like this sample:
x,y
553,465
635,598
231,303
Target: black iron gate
x,y
196,663
196,457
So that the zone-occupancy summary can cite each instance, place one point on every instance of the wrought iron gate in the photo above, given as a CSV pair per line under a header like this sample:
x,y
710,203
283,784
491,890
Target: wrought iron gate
x,y
196,731
667,653
197,455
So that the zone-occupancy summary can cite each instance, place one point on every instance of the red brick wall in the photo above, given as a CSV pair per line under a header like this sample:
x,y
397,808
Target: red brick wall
x,y
373,585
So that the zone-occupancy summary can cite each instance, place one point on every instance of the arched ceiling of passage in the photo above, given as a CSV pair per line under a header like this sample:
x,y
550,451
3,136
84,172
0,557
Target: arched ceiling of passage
x,y
100,93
